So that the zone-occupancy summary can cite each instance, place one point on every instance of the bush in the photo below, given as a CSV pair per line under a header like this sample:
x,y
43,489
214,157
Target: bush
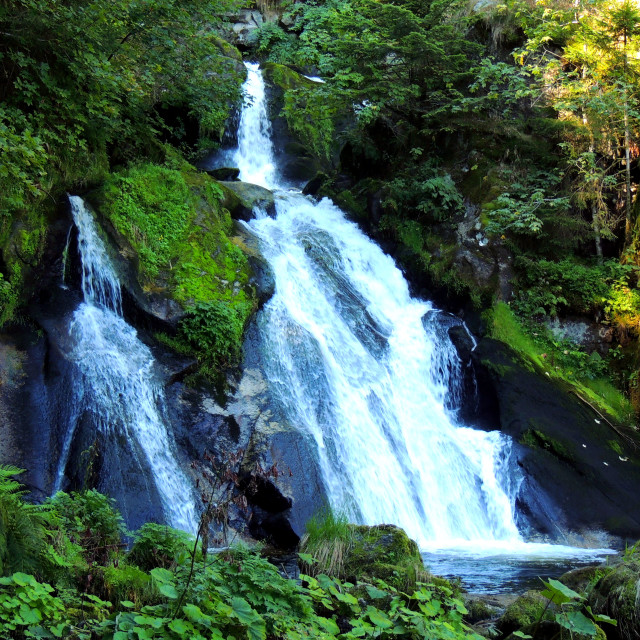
x,y
214,330
90,520
157,545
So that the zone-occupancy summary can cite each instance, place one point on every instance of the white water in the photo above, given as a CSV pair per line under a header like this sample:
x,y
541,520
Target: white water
x,y
115,380
254,155
370,375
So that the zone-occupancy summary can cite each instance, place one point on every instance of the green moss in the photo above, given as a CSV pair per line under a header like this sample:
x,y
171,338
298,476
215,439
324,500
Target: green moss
x,y
543,355
173,219
22,245
616,595
538,439
384,552
362,553
524,611
284,77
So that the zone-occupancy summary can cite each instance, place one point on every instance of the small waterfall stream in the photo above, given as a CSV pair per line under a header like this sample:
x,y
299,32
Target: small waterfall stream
x,y
114,380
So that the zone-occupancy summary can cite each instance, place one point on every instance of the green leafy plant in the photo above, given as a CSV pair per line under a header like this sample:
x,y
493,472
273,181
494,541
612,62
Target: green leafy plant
x,y
22,527
157,545
90,520
572,615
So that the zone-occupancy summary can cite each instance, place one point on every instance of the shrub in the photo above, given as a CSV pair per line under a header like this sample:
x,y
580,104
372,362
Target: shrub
x,y
157,545
214,330
90,520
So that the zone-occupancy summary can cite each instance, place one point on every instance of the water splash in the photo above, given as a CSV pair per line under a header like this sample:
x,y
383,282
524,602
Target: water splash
x,y
114,378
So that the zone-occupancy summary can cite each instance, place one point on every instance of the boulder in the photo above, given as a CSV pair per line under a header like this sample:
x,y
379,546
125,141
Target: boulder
x,y
241,198
615,594
581,472
524,613
296,160
228,174
243,26
363,553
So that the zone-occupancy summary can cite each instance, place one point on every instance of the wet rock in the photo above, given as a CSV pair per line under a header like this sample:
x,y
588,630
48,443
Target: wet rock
x,y
244,24
524,612
242,198
225,174
278,473
581,472
296,160
24,429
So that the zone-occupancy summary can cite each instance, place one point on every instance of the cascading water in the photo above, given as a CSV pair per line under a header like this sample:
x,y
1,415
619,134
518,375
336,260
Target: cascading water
x,y
370,375
364,369
114,379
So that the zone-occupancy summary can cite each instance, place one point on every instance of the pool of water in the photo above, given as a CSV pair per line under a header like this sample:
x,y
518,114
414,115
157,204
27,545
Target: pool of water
x,y
510,570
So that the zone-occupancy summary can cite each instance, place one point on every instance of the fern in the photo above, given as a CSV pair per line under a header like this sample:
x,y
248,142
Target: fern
x,y
22,537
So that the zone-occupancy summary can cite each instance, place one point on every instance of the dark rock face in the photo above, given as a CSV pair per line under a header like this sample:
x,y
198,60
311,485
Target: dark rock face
x,y
581,473
228,174
23,362
280,502
615,594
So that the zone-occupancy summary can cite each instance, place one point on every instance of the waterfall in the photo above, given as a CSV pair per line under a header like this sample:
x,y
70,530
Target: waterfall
x,y
114,379
368,373
254,155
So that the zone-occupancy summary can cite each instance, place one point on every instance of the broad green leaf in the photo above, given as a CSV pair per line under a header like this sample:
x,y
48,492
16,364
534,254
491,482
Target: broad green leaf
x,y
162,575
23,579
142,633
180,626
599,617
559,593
376,593
243,610
169,591
379,618
329,625
577,622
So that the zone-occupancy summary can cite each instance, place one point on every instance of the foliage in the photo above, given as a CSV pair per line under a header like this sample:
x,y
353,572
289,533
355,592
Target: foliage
x,y
173,218
27,605
532,201
80,76
22,543
214,330
157,545
235,593
424,193
326,542
90,520
587,373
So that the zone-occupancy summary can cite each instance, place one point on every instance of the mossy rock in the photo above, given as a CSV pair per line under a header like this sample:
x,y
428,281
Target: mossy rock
x,y
285,77
523,612
240,198
583,579
616,595
176,231
384,552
